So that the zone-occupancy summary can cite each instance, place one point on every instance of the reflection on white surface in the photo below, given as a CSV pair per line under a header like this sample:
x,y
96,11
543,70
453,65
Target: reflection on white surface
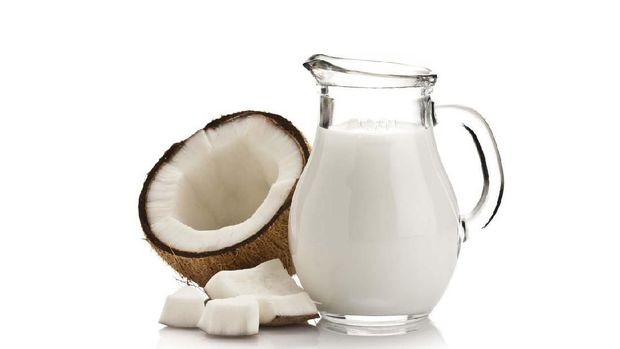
x,y
302,336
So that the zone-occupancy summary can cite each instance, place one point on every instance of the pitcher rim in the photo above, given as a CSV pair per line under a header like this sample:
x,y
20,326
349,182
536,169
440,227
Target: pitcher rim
x,y
365,73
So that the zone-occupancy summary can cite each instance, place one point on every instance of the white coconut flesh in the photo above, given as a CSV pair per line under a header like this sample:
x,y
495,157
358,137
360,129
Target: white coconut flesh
x,y
183,308
230,317
235,309
268,283
223,185
298,304
266,279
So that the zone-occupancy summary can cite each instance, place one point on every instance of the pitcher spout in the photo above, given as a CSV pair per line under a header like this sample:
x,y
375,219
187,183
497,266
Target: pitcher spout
x,y
346,72
320,65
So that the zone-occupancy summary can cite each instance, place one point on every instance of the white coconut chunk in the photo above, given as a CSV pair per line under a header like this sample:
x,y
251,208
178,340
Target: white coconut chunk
x,y
292,305
268,283
237,316
266,279
223,185
183,308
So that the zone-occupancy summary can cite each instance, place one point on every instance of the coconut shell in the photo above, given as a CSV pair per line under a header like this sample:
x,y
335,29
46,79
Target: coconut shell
x,y
270,242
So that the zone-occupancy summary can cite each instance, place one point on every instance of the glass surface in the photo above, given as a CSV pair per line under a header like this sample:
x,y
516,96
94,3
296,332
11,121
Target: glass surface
x,y
370,90
374,227
344,72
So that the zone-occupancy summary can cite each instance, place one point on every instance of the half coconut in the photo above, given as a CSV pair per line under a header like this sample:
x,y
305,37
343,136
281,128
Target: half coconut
x,y
219,200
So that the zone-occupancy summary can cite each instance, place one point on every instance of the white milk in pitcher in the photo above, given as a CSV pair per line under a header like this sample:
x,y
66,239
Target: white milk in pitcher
x,y
379,233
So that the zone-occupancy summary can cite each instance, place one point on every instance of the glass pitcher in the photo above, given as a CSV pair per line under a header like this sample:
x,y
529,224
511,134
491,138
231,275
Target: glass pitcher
x,y
375,229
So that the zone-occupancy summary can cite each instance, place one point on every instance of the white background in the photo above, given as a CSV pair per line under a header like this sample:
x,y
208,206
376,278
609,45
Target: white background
x,y
93,92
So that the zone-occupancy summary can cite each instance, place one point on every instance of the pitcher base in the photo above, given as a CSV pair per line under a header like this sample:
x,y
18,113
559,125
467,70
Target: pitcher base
x,y
357,325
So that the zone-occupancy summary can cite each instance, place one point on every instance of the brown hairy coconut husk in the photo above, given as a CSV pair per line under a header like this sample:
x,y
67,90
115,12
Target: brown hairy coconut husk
x,y
220,199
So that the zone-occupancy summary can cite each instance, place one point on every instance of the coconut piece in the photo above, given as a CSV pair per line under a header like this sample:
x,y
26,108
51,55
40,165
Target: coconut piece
x,y
266,279
183,308
288,309
281,300
237,316
219,200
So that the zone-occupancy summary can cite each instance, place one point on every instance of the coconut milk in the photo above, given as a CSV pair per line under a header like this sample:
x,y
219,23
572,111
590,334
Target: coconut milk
x,y
374,222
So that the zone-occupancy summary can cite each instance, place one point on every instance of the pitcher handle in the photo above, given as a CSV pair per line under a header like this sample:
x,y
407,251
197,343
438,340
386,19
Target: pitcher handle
x,y
490,161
